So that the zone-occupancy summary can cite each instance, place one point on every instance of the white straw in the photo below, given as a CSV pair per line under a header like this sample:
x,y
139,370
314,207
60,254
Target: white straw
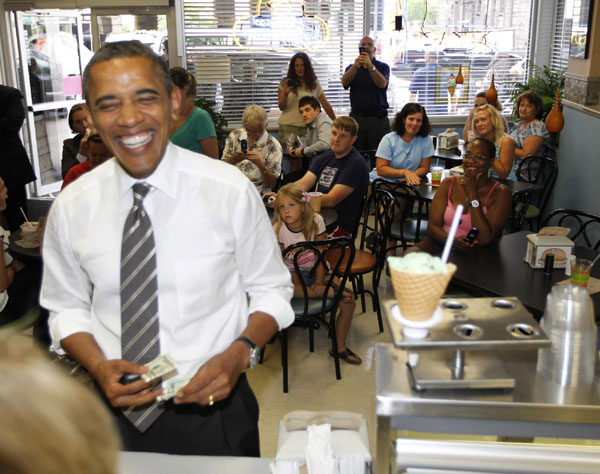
x,y
437,161
594,261
23,212
450,239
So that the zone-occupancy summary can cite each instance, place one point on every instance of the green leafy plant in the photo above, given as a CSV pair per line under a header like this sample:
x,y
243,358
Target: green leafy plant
x,y
217,118
544,81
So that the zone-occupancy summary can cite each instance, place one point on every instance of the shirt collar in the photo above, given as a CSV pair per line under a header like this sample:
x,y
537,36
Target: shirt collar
x,y
163,178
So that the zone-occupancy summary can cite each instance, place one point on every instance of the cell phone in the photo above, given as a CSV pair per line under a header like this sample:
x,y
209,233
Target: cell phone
x,y
472,235
129,378
293,82
244,146
362,49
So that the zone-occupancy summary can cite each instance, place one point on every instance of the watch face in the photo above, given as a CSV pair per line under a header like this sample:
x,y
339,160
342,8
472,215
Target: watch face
x,y
254,357
475,203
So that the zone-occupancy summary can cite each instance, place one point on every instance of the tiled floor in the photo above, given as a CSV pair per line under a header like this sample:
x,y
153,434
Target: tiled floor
x,y
312,382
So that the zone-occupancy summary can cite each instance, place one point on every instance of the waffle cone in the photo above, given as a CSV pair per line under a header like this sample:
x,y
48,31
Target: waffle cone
x,y
419,294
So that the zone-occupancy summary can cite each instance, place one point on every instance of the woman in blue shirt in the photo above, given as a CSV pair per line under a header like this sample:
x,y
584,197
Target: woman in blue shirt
x,y
405,153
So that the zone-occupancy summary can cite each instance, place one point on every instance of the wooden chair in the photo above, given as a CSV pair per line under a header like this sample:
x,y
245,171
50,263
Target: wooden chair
x,y
585,226
539,170
371,259
337,255
412,226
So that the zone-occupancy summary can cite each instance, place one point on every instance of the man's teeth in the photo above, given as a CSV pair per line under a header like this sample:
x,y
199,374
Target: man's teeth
x,y
136,140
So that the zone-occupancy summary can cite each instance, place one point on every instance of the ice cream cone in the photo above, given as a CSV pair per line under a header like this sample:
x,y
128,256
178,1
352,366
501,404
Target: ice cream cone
x,y
419,294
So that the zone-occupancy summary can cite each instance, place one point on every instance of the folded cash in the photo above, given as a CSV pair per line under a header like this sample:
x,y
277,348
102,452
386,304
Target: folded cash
x,y
171,388
163,366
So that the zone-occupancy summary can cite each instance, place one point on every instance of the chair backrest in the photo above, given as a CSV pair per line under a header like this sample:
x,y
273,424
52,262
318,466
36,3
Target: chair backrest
x,y
520,201
359,216
539,170
369,156
585,226
406,197
334,256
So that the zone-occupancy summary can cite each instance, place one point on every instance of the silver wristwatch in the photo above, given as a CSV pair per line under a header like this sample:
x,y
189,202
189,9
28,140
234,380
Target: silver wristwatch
x,y
254,351
474,203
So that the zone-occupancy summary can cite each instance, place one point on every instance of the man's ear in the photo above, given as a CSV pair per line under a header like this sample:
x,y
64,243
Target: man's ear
x,y
354,138
175,101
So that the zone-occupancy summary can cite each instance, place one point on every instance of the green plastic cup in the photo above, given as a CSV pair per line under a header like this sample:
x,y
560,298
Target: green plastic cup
x,y
580,272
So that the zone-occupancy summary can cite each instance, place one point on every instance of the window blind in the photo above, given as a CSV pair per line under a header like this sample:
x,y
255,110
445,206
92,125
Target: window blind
x,y
240,50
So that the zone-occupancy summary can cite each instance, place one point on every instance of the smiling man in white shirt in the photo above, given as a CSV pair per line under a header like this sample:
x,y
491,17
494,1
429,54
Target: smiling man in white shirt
x,y
218,268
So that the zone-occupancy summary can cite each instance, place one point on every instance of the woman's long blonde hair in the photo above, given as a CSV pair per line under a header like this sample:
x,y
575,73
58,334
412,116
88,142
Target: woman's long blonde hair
x,y
496,120
295,192
50,423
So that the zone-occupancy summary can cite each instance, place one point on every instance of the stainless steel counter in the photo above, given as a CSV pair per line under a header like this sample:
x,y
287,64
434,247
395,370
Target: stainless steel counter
x,y
535,407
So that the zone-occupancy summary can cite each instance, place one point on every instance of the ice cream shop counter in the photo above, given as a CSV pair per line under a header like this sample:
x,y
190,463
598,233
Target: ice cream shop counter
x,y
457,383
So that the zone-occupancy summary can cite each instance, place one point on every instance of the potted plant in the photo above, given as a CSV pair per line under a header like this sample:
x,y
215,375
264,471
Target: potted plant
x,y
217,118
545,82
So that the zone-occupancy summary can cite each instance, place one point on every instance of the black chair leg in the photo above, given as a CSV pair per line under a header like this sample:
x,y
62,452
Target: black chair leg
x,y
284,359
311,337
377,307
361,289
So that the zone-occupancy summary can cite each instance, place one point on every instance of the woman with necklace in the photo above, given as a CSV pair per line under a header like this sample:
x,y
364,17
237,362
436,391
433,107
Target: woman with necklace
x,y
530,135
488,124
487,203
192,129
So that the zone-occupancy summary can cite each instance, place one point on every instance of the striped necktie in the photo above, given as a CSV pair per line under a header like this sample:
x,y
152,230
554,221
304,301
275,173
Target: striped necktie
x,y
139,299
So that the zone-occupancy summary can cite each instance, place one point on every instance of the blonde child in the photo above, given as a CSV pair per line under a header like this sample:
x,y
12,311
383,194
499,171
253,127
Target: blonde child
x,y
295,222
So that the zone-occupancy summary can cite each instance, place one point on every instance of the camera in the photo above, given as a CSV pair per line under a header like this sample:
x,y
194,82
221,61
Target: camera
x,y
244,146
362,49
293,82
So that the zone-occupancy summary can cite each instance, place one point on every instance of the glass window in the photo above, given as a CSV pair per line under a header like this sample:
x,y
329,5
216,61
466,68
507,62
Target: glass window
x,y
241,49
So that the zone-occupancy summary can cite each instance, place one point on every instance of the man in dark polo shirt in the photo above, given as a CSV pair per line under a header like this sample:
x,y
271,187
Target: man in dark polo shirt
x,y
342,176
368,80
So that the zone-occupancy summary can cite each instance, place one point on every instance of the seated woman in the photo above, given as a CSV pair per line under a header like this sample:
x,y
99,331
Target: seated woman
x,y
193,128
480,100
405,154
75,149
530,134
488,203
261,159
488,124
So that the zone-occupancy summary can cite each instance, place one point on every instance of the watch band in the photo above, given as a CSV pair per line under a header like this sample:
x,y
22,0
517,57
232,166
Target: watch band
x,y
254,351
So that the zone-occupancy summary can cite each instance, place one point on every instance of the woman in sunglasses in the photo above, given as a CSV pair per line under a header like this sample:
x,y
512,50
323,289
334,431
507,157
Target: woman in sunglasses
x,y
487,203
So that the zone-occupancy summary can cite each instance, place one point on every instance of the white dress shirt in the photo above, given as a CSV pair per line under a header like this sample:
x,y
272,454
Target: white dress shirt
x,y
217,256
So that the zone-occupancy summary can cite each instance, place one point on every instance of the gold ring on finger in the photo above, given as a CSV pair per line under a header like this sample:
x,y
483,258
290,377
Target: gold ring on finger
x,y
211,401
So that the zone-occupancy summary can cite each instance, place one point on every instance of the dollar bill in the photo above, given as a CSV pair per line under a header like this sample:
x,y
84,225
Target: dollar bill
x,y
171,388
163,366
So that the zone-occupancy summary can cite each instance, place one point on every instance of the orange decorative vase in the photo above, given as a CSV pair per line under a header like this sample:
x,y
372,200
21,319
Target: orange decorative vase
x,y
459,78
555,120
491,95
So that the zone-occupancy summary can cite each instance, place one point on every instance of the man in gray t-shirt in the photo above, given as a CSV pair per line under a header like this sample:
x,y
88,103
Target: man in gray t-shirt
x,y
318,131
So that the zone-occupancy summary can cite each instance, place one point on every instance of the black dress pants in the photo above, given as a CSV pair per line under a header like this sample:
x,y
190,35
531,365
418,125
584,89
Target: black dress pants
x,y
228,428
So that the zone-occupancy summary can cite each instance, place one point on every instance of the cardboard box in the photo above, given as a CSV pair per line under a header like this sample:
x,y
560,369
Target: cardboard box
x,y
539,245
448,139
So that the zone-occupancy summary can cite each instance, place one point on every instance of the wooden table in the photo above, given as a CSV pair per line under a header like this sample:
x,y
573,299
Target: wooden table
x,y
499,270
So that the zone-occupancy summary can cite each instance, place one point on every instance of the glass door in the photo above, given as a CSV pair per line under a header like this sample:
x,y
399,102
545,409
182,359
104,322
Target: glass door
x,y
149,26
52,57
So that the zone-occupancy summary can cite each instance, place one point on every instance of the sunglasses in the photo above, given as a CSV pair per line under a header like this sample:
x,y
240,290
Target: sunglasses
x,y
478,157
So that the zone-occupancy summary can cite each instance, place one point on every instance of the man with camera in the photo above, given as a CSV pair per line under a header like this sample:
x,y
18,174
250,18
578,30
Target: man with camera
x,y
368,80
318,130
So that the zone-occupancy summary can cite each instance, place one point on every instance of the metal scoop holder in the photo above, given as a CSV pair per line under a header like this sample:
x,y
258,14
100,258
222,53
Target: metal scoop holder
x,y
486,325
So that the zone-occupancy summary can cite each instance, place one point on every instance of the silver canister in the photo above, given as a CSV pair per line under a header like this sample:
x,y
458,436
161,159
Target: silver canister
x,y
569,322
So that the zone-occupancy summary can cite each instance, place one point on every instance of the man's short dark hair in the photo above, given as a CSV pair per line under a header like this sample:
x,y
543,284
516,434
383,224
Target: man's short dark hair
x,y
127,49
309,100
95,138
75,108
410,109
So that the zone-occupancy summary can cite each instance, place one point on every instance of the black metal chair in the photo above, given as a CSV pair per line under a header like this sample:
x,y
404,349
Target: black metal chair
x,y
539,170
412,226
337,256
371,258
585,226
520,204
369,156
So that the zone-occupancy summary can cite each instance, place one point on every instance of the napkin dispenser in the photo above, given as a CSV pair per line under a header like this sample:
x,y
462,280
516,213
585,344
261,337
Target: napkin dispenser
x,y
549,241
448,139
